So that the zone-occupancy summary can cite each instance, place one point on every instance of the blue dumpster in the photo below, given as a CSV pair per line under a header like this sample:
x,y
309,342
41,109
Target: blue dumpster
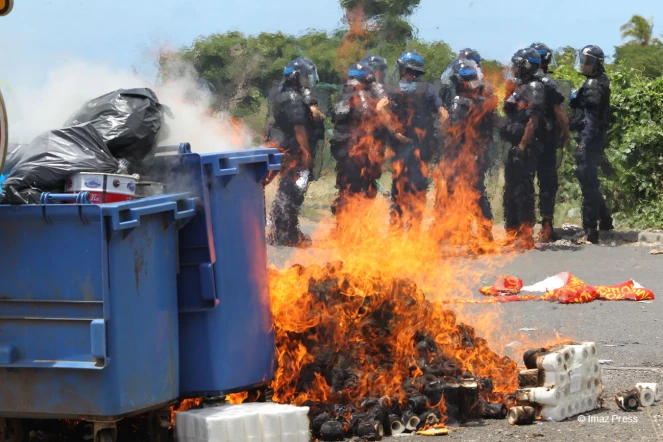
x,y
226,327
88,307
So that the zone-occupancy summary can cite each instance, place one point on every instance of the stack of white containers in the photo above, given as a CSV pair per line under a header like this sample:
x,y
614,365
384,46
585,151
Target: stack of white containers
x,y
571,382
251,422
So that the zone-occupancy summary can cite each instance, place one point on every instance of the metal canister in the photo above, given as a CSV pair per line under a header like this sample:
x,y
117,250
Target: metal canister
x,y
628,400
522,415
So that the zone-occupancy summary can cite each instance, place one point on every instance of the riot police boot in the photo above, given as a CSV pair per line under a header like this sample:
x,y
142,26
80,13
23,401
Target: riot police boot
x,y
548,233
591,236
525,239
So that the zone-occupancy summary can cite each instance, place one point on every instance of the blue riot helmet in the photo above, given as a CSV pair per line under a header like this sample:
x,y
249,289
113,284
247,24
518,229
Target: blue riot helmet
x,y
468,72
305,69
410,62
359,71
547,56
378,66
470,54
525,63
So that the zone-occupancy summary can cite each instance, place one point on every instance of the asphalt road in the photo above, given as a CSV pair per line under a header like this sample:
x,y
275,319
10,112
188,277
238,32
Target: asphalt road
x,y
628,333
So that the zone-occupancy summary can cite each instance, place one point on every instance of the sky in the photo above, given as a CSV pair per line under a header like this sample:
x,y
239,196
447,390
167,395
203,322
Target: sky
x,y
39,34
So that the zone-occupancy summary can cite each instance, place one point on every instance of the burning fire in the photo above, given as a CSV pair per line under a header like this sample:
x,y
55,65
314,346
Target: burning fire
x,y
184,405
372,326
362,321
343,337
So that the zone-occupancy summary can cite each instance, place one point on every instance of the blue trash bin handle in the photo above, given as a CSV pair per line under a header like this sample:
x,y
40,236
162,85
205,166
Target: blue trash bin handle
x,y
232,163
135,213
78,198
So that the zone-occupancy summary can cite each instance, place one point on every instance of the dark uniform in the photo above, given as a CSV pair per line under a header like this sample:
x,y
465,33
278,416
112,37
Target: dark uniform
x,y
591,119
290,109
472,119
354,146
546,169
526,100
415,105
556,130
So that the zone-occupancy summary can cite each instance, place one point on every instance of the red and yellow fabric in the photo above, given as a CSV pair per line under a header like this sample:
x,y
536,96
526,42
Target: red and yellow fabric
x,y
575,291
624,291
506,284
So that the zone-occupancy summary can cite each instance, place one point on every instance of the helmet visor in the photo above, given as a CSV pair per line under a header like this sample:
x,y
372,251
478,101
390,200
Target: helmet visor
x,y
469,70
313,78
587,64
380,74
445,78
405,69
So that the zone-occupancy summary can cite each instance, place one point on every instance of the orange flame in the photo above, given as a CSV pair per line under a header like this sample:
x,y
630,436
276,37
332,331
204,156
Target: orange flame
x,y
237,398
184,405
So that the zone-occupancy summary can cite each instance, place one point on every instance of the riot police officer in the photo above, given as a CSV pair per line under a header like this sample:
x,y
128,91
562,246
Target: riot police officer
x,y
525,108
415,105
448,89
591,118
555,133
290,134
357,152
472,117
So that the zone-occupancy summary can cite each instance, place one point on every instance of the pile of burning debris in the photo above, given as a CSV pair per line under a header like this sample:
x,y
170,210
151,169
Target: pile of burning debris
x,y
371,356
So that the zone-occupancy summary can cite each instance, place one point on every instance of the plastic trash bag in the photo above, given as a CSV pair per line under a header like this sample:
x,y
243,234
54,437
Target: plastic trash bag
x,y
14,152
129,120
54,156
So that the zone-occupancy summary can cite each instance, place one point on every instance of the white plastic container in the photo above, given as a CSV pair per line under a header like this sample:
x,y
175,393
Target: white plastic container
x,y
647,396
554,413
653,386
591,347
557,379
552,362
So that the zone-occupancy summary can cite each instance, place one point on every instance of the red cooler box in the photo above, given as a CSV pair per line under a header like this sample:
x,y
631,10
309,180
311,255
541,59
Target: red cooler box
x,y
103,187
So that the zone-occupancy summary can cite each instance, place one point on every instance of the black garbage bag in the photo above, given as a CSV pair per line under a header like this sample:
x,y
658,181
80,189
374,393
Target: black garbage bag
x,y
54,156
129,120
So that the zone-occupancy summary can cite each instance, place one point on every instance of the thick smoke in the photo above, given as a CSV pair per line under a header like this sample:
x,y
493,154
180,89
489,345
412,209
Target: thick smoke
x,y
35,109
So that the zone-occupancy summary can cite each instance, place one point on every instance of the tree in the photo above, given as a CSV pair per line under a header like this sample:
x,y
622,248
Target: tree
x,y
388,18
640,30
646,59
